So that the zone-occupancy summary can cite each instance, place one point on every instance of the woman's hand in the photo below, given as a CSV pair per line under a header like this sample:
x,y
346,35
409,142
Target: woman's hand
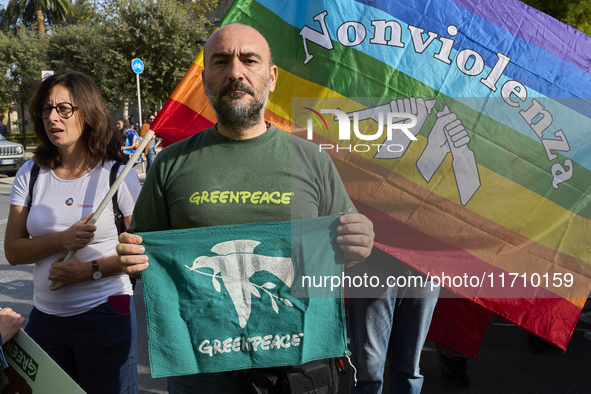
x,y
68,272
20,248
78,235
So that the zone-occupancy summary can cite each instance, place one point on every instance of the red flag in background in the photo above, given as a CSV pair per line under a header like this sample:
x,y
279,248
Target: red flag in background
x,y
187,111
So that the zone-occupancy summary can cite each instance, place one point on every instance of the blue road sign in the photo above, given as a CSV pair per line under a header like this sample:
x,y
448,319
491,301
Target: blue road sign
x,y
137,65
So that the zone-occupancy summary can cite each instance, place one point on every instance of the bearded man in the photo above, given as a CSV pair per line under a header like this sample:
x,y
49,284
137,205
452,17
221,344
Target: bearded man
x,y
241,153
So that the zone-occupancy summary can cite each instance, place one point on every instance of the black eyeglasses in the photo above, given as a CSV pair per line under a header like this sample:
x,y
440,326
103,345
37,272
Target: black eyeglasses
x,y
64,110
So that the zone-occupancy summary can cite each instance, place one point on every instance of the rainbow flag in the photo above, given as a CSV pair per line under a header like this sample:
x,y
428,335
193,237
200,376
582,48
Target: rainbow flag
x,y
487,191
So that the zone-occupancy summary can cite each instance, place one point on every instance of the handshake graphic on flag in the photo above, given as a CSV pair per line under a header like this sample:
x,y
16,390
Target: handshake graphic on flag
x,y
447,135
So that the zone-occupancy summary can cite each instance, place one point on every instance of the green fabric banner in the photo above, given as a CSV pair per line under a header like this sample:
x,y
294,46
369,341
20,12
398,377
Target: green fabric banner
x,y
221,298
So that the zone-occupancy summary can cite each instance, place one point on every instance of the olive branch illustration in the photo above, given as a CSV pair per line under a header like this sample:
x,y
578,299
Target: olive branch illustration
x,y
265,287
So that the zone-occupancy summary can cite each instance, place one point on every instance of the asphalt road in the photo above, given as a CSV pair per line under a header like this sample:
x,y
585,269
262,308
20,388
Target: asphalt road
x,y
505,363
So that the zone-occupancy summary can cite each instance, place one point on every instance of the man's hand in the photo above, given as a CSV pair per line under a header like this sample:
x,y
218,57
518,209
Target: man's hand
x,y
356,236
130,250
68,272
10,322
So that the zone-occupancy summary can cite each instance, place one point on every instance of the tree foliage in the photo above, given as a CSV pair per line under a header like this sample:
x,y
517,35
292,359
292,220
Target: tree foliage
x,y
83,11
576,13
6,85
160,33
198,8
86,48
22,57
36,11
100,39
103,43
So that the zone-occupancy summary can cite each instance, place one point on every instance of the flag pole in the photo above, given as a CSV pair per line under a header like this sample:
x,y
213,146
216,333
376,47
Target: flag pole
x,y
149,135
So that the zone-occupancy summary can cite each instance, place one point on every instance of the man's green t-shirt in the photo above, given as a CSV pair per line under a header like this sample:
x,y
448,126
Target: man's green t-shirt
x,y
211,180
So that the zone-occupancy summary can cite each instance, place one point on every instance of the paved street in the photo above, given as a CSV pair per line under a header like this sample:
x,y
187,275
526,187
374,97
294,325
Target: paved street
x,y
505,364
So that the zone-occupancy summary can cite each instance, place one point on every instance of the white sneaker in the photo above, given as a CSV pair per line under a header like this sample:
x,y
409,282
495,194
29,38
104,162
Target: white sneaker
x,y
585,317
587,335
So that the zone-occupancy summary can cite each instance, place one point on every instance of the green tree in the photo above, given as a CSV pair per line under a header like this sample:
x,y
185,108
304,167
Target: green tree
x,y
3,19
576,13
6,86
198,8
37,11
160,33
83,11
100,39
85,47
6,93
24,58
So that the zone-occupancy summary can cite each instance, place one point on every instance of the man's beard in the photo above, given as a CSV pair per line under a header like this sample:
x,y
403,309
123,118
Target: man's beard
x,y
232,115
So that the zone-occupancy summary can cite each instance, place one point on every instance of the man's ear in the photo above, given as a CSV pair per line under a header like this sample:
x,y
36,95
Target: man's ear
x,y
274,74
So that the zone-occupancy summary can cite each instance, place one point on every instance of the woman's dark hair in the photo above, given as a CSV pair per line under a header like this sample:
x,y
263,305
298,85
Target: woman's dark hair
x,y
100,140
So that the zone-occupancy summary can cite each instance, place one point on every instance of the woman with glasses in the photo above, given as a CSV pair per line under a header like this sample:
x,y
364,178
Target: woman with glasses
x,y
86,321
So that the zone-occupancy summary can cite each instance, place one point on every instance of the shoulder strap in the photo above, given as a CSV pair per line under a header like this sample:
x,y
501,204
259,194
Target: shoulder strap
x,y
112,179
32,180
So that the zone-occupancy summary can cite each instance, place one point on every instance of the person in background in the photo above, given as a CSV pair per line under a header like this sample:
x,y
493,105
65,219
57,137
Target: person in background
x,y
3,129
122,126
10,323
388,325
129,138
586,318
150,150
84,321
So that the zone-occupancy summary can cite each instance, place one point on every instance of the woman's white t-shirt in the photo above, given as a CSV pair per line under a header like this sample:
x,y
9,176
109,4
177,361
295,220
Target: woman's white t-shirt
x,y
57,205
